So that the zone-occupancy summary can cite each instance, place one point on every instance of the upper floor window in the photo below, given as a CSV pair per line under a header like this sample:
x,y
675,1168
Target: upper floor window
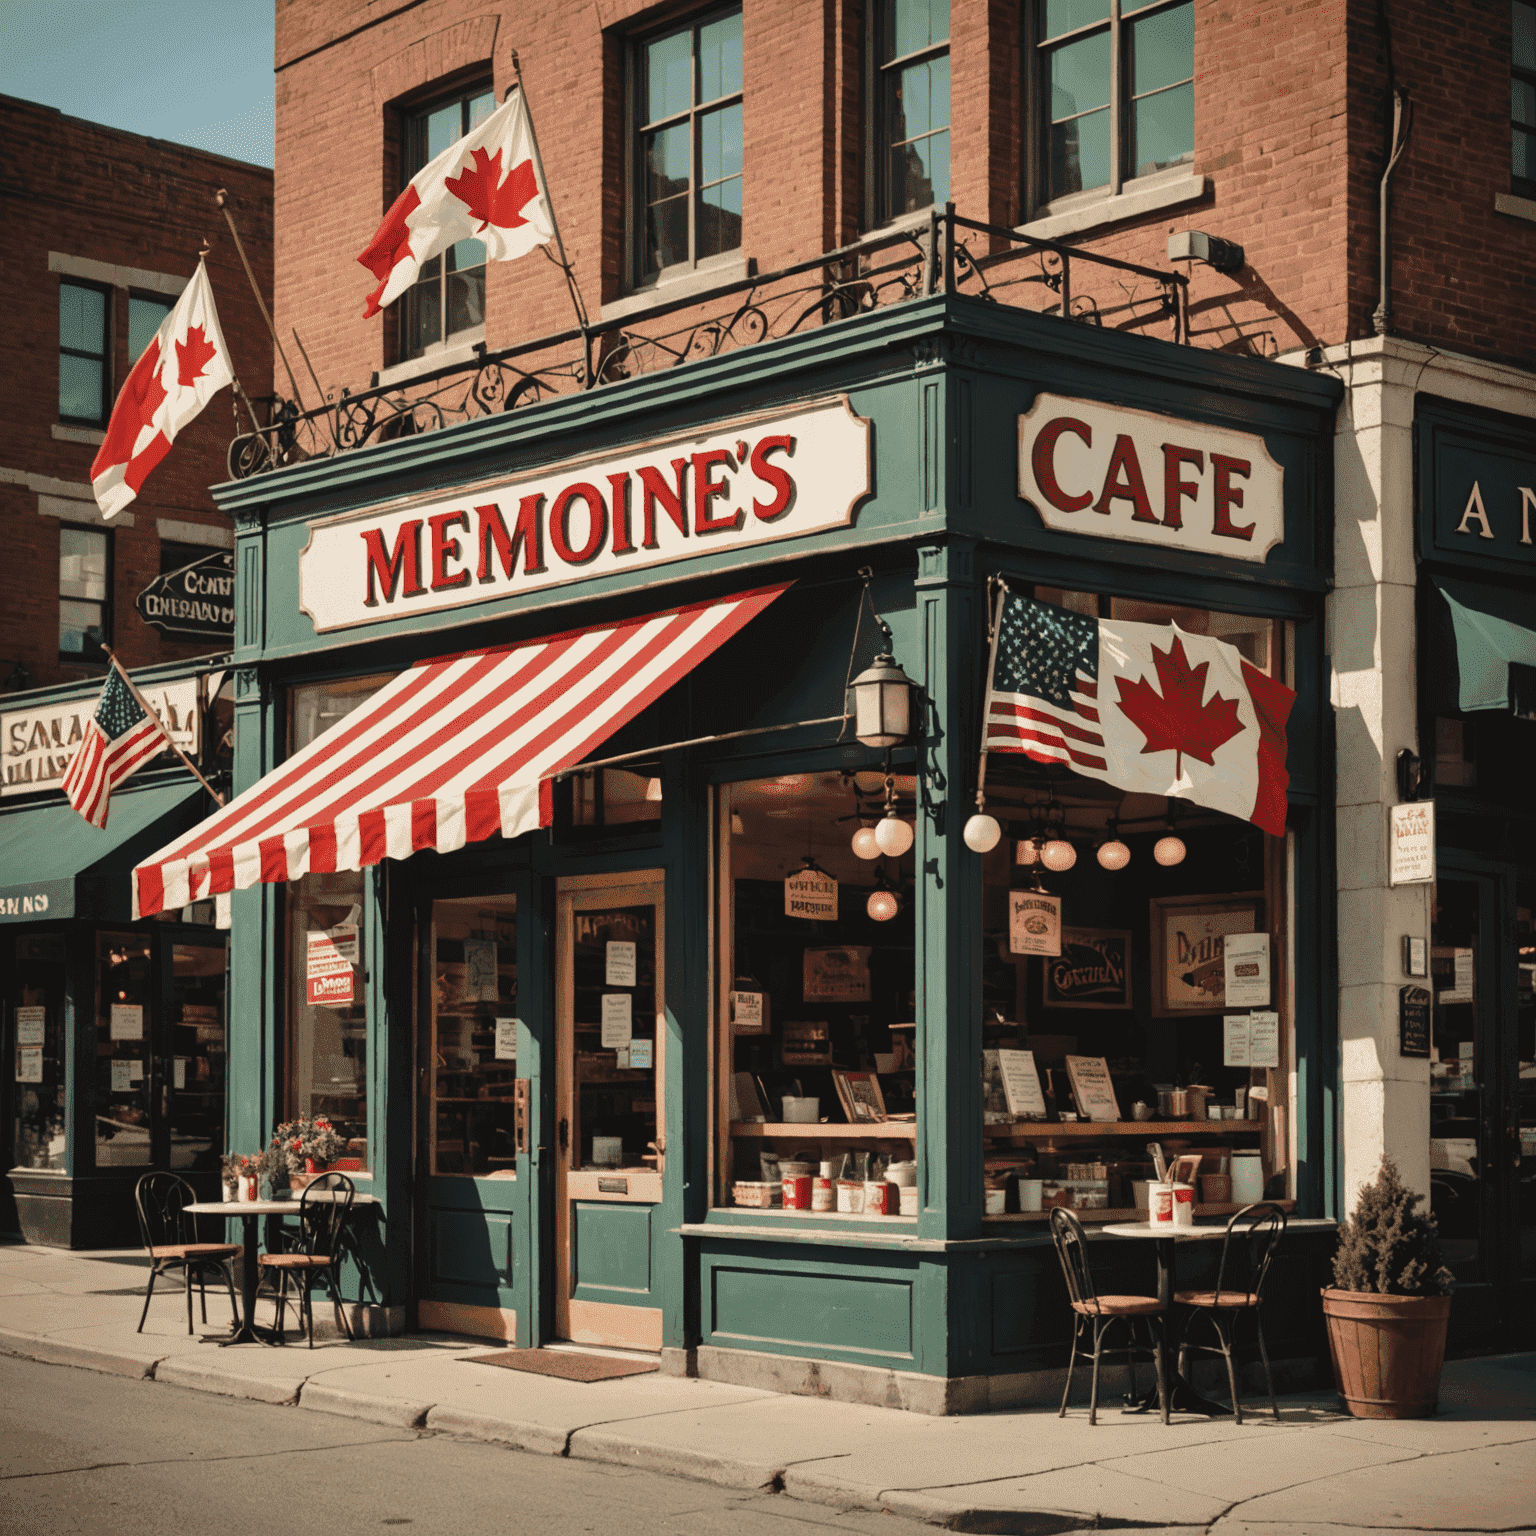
x,y
1522,96
85,352
686,109
911,96
447,302
85,593
1115,79
145,316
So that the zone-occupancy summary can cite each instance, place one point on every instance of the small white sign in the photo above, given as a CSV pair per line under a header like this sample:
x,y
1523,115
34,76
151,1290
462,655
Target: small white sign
x,y
344,938
619,967
1466,1050
618,1020
1463,978
1263,1039
29,1064
506,1039
747,1013
135,1072
1021,1084
121,1081
126,1022
1034,923
1246,959
642,1055
1411,843
809,893
1235,1044
178,1072
30,1024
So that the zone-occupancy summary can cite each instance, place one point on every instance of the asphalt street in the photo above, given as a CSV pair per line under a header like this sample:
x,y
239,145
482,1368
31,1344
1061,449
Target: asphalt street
x,y
86,1453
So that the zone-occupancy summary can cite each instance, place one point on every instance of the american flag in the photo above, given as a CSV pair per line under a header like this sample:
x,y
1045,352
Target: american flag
x,y
1043,696
121,737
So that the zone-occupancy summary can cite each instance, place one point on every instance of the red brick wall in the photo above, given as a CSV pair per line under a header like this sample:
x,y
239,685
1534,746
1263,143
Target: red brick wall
x,y
102,195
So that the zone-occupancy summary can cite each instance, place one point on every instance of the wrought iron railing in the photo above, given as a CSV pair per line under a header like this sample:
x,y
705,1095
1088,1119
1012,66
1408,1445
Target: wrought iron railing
x,y
947,254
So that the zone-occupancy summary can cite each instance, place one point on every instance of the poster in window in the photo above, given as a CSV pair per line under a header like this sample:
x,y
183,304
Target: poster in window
x,y
29,1064
1245,959
618,1026
30,1024
328,978
126,1022
1034,923
837,975
1093,969
1189,973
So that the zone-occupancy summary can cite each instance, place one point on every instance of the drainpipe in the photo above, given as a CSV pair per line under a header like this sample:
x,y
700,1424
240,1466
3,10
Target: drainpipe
x,y
1402,122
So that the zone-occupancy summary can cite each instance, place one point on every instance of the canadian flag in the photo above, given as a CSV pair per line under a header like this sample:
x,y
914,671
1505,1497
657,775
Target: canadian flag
x,y
182,369
485,187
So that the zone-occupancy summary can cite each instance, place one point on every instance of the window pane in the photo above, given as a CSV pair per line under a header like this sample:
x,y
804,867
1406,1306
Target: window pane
x,y
1163,130
80,381
465,254
720,58
1067,15
481,107
37,996
423,320
668,76
1080,77
466,299
1163,50
915,24
720,144
81,631
1523,155
82,319
665,158
919,173
912,111
82,564
195,1077
122,1053
666,234
1080,154
443,129
719,218
144,318
1522,34
1522,102
316,707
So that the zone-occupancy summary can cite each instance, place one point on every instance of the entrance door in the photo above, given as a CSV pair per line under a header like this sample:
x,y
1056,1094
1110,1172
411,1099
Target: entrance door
x,y
611,1129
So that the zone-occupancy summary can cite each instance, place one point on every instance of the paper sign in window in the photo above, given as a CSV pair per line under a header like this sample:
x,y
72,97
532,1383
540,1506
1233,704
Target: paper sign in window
x,y
29,1064
30,1024
328,976
618,1020
126,1021
641,1055
1245,960
619,969
179,1072
121,1081
506,1039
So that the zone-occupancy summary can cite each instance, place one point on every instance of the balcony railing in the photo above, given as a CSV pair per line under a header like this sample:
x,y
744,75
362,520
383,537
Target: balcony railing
x,y
948,254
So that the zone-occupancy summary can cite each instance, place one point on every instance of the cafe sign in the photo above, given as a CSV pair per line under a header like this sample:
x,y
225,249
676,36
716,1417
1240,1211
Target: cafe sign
x,y
1110,472
195,603
1477,473
755,480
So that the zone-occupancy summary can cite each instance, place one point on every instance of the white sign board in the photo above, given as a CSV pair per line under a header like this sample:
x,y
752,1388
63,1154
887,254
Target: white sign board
x,y
642,1055
1034,923
1251,1039
29,1064
811,894
748,481
619,969
126,1022
506,1039
1245,957
1109,472
1411,843
618,1020
1021,1084
30,1024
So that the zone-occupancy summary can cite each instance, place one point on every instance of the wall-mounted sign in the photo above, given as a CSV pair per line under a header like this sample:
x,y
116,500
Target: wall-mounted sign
x,y
1092,971
37,744
195,603
46,898
811,893
1478,474
1034,923
1411,843
1110,472
753,480
1413,1016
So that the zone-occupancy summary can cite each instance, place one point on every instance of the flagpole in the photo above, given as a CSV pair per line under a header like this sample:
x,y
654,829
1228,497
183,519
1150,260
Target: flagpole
x,y
261,304
538,160
997,624
148,709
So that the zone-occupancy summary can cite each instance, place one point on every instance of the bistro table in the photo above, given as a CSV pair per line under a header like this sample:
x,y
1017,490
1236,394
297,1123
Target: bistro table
x,y
1181,1395
250,1211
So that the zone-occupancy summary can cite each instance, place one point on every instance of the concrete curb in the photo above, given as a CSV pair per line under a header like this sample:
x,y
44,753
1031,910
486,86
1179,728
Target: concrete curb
x,y
517,1436
398,1412
37,1346
207,1377
611,1445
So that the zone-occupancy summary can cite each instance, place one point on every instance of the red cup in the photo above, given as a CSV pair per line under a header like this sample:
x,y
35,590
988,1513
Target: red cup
x,y
797,1192
1160,1205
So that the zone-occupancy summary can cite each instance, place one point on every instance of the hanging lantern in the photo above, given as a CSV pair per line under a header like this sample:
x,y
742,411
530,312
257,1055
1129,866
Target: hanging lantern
x,y
864,843
880,701
982,833
883,903
1169,850
893,835
1058,855
1113,854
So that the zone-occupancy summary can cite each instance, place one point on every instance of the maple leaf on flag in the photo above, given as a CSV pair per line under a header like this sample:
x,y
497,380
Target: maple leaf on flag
x,y
480,188
193,355
1178,719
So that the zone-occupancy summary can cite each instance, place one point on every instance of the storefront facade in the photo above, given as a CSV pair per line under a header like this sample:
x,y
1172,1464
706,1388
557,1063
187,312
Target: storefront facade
x,y
559,1057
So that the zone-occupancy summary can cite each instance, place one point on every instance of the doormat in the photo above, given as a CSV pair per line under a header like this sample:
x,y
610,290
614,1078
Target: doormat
x,y
567,1366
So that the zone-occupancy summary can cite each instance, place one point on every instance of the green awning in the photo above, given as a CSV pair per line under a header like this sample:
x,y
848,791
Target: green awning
x,y
55,864
1492,631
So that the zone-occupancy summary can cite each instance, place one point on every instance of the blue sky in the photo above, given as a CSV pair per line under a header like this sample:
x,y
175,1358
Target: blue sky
x,y
196,72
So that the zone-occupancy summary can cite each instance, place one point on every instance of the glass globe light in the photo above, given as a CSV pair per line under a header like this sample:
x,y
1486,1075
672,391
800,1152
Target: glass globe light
x,y
893,835
1058,855
882,905
864,843
1169,850
982,833
1028,852
1114,854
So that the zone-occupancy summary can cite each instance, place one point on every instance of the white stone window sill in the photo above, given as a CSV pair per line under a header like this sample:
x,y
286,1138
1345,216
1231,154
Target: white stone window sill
x,y
93,436
699,283
1150,194
1515,207
457,355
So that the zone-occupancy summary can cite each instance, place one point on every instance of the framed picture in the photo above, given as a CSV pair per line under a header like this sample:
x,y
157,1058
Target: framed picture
x,y
1188,968
837,975
1093,970
862,1100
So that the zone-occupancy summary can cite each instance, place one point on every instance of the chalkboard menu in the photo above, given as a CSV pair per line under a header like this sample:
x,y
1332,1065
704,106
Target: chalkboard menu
x,y
1413,1021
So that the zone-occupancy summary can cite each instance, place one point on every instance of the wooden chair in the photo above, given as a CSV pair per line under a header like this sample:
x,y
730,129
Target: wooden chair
x,y
1100,1313
170,1236
325,1207
1239,1291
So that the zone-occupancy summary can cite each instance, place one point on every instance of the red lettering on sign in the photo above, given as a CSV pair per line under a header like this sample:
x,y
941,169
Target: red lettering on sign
x,y
446,548
706,490
1229,495
655,492
775,476
1044,461
1175,487
622,543
560,523
1123,482
402,568
529,534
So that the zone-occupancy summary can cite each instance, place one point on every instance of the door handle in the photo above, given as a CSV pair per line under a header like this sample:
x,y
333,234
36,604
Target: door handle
x,y
565,1135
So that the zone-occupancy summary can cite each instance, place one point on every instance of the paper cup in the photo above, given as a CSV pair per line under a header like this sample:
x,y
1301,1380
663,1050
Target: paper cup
x,y
1183,1205
1160,1204
997,1199
1139,1188
908,1201
797,1192
850,1196
875,1191
1031,1194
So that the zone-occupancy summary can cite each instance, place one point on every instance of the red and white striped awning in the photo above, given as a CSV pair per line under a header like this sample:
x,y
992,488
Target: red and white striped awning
x,y
451,752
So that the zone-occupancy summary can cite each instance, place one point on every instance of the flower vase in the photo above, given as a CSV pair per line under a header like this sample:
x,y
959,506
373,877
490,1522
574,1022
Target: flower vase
x,y
313,1165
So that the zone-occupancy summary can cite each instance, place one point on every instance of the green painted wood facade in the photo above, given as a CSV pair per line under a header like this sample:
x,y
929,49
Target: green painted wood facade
x,y
942,381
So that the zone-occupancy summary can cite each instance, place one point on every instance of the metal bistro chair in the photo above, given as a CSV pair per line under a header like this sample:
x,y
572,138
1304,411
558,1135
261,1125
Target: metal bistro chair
x,y
170,1236
325,1207
1101,1313
1258,1229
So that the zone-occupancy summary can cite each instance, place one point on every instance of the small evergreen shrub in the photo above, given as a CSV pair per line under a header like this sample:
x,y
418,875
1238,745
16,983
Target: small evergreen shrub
x,y
1387,1246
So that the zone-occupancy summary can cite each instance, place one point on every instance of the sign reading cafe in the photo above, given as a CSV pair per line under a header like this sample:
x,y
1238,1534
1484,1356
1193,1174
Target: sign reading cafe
x,y
754,480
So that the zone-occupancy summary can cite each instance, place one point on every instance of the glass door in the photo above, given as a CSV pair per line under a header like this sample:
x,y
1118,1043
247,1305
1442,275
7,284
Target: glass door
x,y
611,1127
190,1063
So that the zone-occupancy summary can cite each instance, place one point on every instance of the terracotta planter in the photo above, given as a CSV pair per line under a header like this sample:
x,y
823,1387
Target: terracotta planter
x,y
1387,1351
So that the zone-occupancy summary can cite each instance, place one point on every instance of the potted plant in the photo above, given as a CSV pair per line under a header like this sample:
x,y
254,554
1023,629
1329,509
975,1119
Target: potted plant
x,y
307,1147
231,1167
1389,1304
272,1172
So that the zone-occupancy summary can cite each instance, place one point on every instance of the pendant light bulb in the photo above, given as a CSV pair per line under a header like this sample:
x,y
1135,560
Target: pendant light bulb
x,y
982,833
882,905
1114,854
864,843
893,835
1058,855
1169,851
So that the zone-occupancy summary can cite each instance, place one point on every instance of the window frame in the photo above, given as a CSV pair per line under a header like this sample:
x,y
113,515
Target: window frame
x,y
1520,186
636,276
84,658
1038,200
104,357
878,213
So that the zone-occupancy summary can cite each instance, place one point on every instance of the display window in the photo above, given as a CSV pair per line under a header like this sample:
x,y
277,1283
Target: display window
x,y
123,1013
195,1090
816,1011
37,1011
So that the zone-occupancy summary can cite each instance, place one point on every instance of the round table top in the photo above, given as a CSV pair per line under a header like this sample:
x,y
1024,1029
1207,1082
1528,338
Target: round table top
x,y
267,1207
1163,1230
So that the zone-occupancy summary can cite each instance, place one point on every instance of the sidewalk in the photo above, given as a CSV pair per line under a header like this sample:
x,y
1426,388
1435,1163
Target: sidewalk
x,y
1471,1468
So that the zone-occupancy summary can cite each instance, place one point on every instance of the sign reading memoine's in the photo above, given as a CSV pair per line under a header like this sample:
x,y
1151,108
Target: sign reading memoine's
x,y
751,481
